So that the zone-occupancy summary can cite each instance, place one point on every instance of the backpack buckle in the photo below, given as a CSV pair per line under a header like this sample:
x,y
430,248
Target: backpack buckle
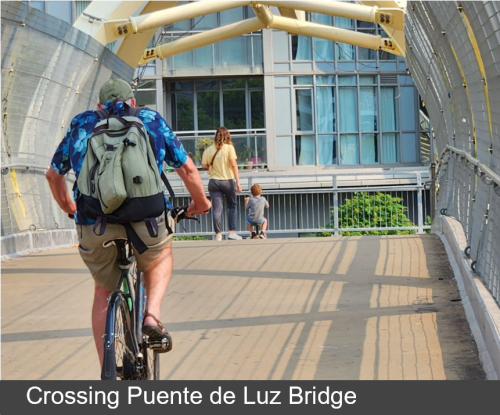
x,y
128,142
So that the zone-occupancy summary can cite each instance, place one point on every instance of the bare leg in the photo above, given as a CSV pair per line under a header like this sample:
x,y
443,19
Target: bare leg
x,y
99,309
250,228
156,279
264,226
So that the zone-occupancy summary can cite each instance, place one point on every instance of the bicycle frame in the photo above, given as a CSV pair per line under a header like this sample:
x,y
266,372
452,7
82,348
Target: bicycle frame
x,y
124,295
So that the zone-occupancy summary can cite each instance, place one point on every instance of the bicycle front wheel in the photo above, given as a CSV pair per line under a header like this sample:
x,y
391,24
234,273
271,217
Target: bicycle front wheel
x,y
119,348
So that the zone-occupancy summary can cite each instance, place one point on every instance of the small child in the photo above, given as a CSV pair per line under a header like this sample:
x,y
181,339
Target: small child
x,y
255,206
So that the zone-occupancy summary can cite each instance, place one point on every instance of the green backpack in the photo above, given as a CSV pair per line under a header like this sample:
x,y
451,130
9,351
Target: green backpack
x,y
119,181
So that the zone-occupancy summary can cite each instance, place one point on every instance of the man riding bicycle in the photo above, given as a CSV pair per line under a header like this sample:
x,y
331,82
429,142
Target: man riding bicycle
x,y
116,101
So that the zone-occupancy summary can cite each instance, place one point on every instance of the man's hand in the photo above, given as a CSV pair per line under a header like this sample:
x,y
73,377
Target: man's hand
x,y
198,209
57,185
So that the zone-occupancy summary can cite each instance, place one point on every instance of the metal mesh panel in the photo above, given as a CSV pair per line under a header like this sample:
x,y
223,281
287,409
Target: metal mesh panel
x,y
452,53
50,72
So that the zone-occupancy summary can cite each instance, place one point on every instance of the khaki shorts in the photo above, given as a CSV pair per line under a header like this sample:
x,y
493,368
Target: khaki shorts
x,y
103,262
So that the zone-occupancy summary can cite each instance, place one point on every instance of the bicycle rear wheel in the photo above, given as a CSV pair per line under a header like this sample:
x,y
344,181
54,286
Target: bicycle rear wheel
x,y
119,348
151,358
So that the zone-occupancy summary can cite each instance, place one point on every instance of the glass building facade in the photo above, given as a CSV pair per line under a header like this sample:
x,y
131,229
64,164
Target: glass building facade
x,y
290,102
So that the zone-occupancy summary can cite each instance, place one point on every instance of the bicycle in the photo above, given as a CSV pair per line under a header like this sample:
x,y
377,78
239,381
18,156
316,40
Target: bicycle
x,y
128,353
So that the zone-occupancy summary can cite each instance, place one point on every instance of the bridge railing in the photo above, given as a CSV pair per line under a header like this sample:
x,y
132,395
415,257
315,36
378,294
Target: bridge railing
x,y
470,192
336,210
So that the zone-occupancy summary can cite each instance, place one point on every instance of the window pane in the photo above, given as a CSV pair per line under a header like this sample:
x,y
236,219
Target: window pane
x,y
181,86
183,111
257,109
283,109
302,80
321,19
348,110
280,46
184,60
233,52
189,145
303,102
388,110
366,54
323,50
146,99
365,25
325,104
305,148
203,56
61,10
282,80
346,52
208,110
206,22
256,82
234,109
349,152
233,83
325,79
231,16
369,143
344,22
183,25
284,151
301,48
347,80
207,84
368,108
367,80
327,150
409,148
390,148
408,108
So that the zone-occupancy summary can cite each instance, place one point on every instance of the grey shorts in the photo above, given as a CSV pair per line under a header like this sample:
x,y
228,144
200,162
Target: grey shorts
x,y
103,261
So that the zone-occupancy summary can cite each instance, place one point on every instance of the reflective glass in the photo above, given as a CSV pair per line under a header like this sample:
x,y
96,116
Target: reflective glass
x,y
325,108
368,108
183,111
304,109
390,148
305,150
234,109
257,109
208,110
369,148
348,109
349,151
301,48
327,150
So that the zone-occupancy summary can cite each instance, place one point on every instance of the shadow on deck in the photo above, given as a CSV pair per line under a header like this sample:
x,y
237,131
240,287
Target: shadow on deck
x,y
313,308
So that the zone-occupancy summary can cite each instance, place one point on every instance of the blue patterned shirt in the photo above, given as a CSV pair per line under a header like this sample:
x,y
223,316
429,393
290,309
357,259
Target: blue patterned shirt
x,y
71,151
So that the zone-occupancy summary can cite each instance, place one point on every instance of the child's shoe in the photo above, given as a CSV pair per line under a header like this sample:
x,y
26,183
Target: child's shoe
x,y
254,235
262,235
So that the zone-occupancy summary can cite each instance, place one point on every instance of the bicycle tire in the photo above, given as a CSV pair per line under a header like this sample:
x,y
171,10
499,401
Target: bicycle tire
x,y
151,358
119,343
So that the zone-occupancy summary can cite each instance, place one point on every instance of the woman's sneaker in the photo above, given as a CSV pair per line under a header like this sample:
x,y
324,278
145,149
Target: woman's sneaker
x,y
262,235
234,236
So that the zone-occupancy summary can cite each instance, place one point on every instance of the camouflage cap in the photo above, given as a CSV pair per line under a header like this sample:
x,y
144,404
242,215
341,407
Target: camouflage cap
x,y
115,89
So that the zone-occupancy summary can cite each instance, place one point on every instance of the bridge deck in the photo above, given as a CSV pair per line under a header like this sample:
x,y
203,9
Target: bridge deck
x,y
329,308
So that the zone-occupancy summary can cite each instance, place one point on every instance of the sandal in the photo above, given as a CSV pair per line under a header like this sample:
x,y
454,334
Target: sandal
x,y
159,337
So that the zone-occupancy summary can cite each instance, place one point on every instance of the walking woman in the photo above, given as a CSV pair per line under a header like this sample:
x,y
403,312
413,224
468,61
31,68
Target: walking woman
x,y
220,160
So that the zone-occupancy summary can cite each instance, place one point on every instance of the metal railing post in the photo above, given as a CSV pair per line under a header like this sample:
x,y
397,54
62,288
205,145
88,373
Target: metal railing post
x,y
420,205
433,190
335,207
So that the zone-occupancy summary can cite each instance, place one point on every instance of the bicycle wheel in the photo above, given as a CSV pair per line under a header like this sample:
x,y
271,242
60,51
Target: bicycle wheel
x,y
119,349
151,358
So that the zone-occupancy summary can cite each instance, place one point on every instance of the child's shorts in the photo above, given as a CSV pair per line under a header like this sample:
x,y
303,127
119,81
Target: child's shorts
x,y
255,224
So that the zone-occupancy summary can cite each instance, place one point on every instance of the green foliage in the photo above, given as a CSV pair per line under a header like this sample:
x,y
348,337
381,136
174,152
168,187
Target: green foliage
x,y
372,210
189,238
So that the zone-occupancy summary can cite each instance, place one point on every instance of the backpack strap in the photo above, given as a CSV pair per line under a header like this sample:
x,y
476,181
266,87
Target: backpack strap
x,y
213,158
102,114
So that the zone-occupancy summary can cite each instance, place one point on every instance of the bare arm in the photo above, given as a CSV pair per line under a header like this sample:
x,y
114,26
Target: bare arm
x,y
192,180
204,166
57,185
234,167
